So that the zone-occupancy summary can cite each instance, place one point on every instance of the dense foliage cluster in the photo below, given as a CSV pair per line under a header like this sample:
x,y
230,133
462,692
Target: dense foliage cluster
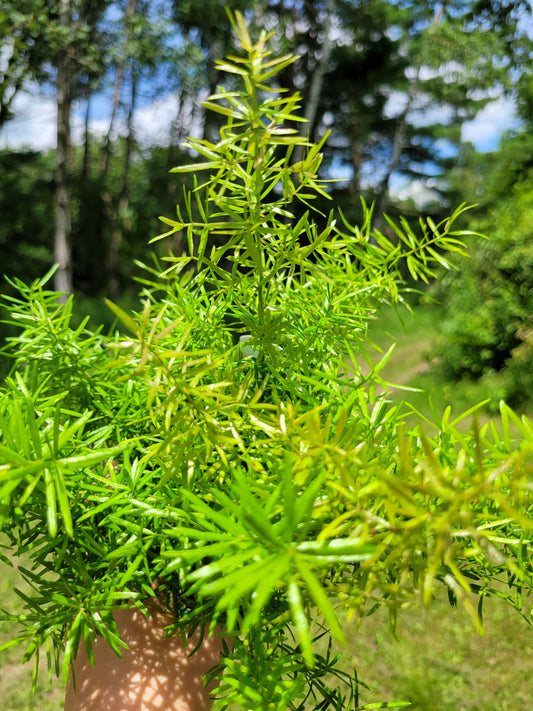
x,y
486,330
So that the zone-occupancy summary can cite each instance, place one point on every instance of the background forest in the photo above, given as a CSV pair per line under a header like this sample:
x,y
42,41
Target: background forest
x,y
401,86
397,83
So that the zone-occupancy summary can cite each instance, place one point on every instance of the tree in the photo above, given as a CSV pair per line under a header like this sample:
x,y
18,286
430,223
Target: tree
x,y
122,52
449,59
209,22
26,205
378,56
485,333
64,96
35,35
21,50
486,330
367,72
76,54
263,484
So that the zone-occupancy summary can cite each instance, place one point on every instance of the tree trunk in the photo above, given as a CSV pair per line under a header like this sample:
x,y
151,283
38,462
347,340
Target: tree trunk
x,y
86,138
176,127
211,122
317,82
398,142
118,210
357,161
62,248
106,148
398,145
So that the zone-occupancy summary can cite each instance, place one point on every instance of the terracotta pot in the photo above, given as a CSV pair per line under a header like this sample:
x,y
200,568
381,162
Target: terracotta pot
x,y
155,673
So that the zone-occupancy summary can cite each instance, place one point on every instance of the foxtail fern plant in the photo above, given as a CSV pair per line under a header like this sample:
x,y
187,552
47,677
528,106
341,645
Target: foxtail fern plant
x,y
236,450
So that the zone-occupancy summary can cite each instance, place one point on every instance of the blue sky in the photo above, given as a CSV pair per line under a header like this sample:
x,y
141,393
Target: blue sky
x,y
34,122
34,127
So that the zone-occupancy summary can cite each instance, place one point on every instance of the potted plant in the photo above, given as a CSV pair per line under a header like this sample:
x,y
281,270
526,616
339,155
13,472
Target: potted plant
x,y
230,464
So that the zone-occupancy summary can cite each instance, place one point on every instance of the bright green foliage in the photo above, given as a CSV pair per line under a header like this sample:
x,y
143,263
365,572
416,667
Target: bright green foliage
x,y
487,330
237,447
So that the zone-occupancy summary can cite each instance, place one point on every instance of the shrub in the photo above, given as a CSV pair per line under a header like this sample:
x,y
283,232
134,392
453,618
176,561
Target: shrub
x,y
233,451
487,329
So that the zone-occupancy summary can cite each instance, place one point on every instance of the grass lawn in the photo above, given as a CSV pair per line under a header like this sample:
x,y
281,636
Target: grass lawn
x,y
438,662
411,365
16,678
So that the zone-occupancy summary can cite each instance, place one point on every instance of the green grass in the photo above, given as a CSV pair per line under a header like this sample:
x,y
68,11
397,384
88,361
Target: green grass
x,y
16,678
412,365
438,662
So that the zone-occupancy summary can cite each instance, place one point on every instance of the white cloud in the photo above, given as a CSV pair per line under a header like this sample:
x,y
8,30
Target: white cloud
x,y
395,104
152,123
34,125
418,191
485,130
423,112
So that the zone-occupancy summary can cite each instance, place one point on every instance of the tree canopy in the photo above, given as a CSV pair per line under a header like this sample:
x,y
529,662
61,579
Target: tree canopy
x,y
392,81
